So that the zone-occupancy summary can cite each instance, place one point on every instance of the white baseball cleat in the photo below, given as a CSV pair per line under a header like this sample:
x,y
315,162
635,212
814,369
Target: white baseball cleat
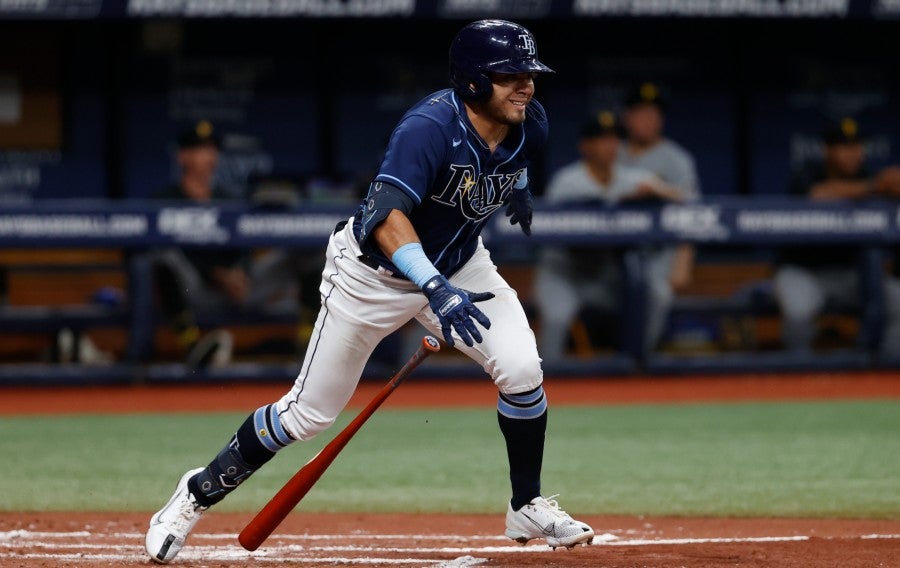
x,y
170,526
542,518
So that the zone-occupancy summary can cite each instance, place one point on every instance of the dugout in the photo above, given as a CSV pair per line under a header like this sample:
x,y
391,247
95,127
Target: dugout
x,y
91,97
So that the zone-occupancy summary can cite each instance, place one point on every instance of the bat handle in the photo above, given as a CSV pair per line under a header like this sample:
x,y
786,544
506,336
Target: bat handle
x,y
429,345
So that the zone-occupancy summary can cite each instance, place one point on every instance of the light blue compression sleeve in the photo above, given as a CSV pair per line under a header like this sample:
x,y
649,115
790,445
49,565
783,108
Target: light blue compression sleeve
x,y
410,259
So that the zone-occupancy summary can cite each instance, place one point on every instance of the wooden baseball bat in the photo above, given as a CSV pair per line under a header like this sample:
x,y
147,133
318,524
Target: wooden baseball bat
x,y
275,511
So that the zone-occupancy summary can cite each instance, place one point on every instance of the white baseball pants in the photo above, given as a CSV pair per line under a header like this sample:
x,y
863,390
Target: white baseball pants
x,y
361,305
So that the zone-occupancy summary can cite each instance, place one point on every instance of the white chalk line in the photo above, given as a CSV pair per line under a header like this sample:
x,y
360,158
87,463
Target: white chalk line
x,y
233,536
462,562
8,535
12,544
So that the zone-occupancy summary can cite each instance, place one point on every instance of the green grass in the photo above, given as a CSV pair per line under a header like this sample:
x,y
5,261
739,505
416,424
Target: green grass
x,y
799,459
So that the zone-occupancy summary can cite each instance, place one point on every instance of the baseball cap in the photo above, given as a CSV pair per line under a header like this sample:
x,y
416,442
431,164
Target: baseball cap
x,y
603,123
646,93
199,134
843,131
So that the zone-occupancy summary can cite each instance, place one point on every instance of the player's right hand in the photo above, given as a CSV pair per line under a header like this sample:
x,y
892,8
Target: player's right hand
x,y
454,308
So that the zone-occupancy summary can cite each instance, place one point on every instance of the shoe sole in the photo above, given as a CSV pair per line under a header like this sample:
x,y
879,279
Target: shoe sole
x,y
583,539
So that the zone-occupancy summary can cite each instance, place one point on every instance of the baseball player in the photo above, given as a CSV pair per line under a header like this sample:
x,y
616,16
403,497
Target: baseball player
x,y
647,148
807,277
571,277
413,251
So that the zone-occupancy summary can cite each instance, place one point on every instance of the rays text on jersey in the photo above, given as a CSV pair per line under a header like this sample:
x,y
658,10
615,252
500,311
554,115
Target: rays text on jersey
x,y
477,196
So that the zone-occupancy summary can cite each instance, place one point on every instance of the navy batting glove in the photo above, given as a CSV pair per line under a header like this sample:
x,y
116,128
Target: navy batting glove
x,y
453,307
519,209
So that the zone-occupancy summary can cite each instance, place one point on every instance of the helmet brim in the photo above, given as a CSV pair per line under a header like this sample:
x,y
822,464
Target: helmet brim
x,y
509,67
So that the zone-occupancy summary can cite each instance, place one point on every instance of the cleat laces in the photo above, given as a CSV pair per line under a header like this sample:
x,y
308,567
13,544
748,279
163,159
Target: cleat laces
x,y
553,506
568,526
187,516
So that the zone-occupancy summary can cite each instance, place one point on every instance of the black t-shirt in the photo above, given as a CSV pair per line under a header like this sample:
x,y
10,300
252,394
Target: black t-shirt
x,y
206,259
825,255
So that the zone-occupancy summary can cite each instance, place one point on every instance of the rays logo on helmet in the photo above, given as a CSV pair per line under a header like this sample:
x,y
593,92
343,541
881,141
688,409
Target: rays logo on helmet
x,y
528,43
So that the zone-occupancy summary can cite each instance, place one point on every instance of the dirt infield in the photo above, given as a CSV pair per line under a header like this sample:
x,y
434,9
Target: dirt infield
x,y
32,540
89,540
449,393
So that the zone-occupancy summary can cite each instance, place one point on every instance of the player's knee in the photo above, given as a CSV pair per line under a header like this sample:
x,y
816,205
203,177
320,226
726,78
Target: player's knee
x,y
798,307
517,373
303,423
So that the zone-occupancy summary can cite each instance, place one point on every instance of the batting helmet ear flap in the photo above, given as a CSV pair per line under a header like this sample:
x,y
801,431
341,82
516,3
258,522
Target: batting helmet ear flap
x,y
473,87
481,87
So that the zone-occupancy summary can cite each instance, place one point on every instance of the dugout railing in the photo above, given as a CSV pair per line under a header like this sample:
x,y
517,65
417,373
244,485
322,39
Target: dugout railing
x,y
725,224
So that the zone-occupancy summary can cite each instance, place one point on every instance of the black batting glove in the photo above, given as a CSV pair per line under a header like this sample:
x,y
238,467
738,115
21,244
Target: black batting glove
x,y
455,310
519,209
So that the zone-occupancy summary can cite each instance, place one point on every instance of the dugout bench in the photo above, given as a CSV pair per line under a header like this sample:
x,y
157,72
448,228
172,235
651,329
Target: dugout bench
x,y
125,227
751,309
49,290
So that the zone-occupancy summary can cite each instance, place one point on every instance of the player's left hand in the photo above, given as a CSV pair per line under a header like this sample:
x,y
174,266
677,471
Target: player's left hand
x,y
454,308
519,209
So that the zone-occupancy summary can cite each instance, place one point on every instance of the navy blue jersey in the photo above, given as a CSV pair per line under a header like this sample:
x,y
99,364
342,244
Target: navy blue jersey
x,y
439,161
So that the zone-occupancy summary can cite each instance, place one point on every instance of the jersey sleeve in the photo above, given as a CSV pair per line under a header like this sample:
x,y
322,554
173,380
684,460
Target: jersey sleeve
x,y
556,189
567,185
632,178
414,155
685,176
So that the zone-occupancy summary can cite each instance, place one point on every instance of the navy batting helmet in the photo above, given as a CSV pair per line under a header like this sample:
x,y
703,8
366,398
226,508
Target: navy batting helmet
x,y
490,46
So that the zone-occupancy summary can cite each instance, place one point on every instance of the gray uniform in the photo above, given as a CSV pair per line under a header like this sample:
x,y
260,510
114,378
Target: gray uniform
x,y
675,166
670,162
571,277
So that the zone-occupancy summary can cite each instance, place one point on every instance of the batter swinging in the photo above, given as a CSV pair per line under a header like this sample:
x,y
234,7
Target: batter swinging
x,y
413,251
